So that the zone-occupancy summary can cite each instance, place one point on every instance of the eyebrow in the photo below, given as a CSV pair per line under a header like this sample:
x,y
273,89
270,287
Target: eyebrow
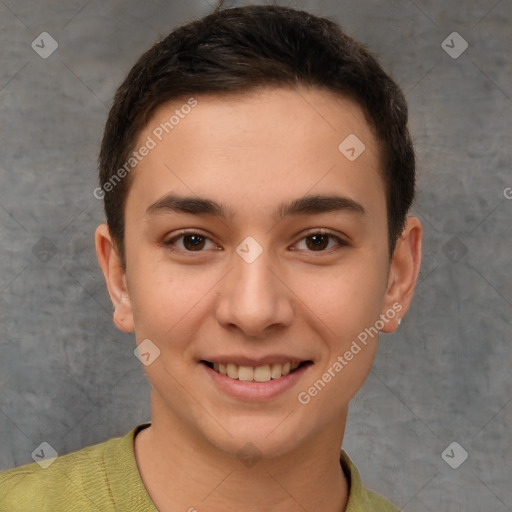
x,y
310,204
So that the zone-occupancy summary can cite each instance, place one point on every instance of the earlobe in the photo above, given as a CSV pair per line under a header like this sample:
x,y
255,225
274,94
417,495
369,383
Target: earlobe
x,y
403,272
115,278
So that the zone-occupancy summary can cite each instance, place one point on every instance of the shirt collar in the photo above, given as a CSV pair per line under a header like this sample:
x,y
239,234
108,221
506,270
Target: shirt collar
x,y
357,496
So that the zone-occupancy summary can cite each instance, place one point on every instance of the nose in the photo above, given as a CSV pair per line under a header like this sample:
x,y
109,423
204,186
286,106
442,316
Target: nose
x,y
254,298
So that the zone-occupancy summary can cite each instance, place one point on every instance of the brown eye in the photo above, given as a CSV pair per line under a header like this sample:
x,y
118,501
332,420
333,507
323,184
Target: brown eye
x,y
193,242
317,242
189,242
321,242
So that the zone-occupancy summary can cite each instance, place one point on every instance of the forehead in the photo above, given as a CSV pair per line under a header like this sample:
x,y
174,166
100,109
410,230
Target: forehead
x,y
262,145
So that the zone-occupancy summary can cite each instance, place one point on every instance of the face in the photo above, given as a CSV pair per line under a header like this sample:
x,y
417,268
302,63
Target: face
x,y
256,248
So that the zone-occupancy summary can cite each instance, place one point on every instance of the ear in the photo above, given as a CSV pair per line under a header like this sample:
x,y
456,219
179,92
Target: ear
x,y
403,273
115,277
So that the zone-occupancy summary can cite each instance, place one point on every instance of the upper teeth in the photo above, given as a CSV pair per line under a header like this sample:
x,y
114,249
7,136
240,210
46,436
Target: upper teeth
x,y
255,373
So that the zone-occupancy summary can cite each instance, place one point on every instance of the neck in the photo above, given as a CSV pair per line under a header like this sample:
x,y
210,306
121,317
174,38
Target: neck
x,y
183,472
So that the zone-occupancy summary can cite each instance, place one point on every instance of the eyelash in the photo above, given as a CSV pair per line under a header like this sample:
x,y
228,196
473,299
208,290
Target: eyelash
x,y
170,243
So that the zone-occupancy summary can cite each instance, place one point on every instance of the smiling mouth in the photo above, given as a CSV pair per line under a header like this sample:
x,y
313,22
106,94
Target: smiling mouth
x,y
263,373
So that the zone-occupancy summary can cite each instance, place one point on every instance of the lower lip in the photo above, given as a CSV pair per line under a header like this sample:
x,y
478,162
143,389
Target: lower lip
x,y
250,390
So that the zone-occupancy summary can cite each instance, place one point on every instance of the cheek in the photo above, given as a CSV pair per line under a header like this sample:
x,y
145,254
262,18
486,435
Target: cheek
x,y
346,299
347,307
165,300
346,304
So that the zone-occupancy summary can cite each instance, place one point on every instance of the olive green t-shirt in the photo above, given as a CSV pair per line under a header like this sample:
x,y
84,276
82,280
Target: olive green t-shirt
x,y
105,478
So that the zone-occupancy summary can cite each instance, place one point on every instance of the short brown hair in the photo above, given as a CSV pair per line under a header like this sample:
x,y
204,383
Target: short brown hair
x,y
239,49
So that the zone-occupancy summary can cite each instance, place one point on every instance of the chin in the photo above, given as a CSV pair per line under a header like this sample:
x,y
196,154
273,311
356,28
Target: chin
x,y
262,437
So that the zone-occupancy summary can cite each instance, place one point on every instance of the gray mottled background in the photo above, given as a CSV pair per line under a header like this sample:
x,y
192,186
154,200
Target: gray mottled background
x,y
69,378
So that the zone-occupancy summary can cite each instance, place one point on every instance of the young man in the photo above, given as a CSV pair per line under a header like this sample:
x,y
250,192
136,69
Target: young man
x,y
257,171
